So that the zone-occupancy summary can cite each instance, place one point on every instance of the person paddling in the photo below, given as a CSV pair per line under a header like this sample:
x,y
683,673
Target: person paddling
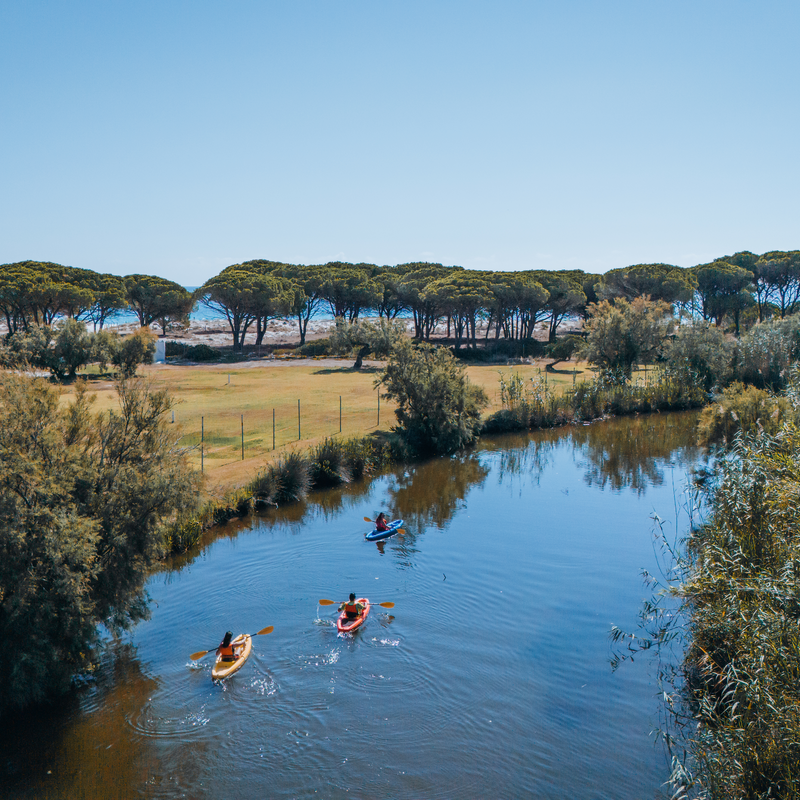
x,y
380,523
227,650
352,609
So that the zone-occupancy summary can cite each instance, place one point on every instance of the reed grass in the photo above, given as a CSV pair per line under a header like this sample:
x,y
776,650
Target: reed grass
x,y
531,403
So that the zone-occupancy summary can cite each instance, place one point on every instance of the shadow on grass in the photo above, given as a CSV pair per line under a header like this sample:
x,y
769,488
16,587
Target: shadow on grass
x,y
339,370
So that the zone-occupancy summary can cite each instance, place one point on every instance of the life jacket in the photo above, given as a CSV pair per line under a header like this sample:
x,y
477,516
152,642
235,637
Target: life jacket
x,y
227,653
351,609
381,525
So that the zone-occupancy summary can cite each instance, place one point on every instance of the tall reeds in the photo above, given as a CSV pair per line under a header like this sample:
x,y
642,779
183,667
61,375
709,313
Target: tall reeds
x,y
741,593
532,404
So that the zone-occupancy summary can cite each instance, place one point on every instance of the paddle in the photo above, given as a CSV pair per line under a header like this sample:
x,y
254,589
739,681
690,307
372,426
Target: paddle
x,y
399,531
262,632
339,602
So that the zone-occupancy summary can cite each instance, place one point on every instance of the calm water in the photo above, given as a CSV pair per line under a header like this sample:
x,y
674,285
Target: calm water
x,y
489,678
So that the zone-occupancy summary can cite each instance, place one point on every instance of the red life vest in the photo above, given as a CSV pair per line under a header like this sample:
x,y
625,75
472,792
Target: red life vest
x,y
351,609
227,653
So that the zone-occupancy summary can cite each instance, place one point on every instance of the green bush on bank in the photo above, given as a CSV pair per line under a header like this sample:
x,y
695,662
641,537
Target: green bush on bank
x,y
317,347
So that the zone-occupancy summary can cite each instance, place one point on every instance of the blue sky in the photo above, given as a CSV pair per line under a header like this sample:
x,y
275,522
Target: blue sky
x,y
175,138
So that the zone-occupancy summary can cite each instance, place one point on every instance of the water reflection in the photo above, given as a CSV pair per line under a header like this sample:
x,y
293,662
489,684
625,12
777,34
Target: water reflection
x,y
634,453
625,453
429,494
56,752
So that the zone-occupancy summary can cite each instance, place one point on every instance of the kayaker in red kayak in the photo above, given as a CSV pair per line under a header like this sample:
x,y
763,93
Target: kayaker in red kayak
x,y
226,649
352,609
380,524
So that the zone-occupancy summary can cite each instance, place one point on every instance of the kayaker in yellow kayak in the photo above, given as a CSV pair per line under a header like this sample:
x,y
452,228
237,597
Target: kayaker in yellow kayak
x,y
351,608
227,649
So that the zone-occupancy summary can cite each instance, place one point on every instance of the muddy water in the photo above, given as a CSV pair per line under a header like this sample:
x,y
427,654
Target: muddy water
x,y
489,678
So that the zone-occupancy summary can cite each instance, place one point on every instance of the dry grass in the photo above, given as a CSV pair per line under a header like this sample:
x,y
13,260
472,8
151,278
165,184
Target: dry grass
x,y
256,388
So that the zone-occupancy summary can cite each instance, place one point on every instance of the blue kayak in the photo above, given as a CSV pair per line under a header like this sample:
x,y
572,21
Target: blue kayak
x,y
376,535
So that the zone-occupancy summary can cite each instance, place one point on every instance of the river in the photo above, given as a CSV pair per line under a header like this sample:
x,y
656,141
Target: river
x,y
490,677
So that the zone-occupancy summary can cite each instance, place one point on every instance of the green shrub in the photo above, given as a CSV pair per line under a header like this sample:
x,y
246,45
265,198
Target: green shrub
x,y
501,350
175,349
134,350
507,419
701,353
329,464
182,534
71,351
767,351
197,352
742,408
292,475
318,347
438,408
365,455
264,488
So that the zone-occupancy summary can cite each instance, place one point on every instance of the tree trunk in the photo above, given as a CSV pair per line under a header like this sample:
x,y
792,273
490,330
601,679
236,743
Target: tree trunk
x,y
362,353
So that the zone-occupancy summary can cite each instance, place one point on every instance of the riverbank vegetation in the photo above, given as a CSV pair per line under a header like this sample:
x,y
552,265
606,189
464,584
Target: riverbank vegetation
x,y
732,705
82,496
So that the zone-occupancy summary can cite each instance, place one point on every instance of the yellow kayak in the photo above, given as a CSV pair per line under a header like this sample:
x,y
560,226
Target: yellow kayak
x,y
242,645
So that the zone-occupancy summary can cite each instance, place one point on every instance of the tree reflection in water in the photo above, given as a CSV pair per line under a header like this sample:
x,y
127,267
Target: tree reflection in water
x,y
622,453
633,453
430,493
75,732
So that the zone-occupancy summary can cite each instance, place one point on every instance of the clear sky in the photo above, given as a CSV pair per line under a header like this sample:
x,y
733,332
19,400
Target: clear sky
x,y
176,137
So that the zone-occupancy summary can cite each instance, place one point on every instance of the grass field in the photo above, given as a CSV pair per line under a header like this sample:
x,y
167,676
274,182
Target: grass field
x,y
207,400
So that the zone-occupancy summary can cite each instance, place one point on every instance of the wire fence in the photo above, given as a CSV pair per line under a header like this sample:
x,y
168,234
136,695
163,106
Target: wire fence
x,y
223,437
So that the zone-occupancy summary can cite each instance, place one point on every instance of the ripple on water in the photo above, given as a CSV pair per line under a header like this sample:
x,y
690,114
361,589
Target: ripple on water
x,y
151,724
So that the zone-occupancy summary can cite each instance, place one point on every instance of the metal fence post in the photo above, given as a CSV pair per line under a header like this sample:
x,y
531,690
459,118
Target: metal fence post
x,y
202,439
242,437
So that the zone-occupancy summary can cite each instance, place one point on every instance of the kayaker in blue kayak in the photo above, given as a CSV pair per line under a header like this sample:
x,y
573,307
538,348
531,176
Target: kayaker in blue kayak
x,y
351,608
380,523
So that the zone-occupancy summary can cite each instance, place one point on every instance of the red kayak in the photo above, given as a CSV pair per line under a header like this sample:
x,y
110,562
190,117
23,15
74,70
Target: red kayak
x,y
345,625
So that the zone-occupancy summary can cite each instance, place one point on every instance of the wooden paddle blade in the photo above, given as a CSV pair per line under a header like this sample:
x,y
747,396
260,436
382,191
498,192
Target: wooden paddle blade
x,y
266,630
401,532
386,605
195,656
367,519
327,602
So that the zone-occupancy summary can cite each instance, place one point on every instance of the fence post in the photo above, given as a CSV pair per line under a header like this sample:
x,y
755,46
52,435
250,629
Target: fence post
x,y
242,437
379,409
202,439
340,413
299,437
273,428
